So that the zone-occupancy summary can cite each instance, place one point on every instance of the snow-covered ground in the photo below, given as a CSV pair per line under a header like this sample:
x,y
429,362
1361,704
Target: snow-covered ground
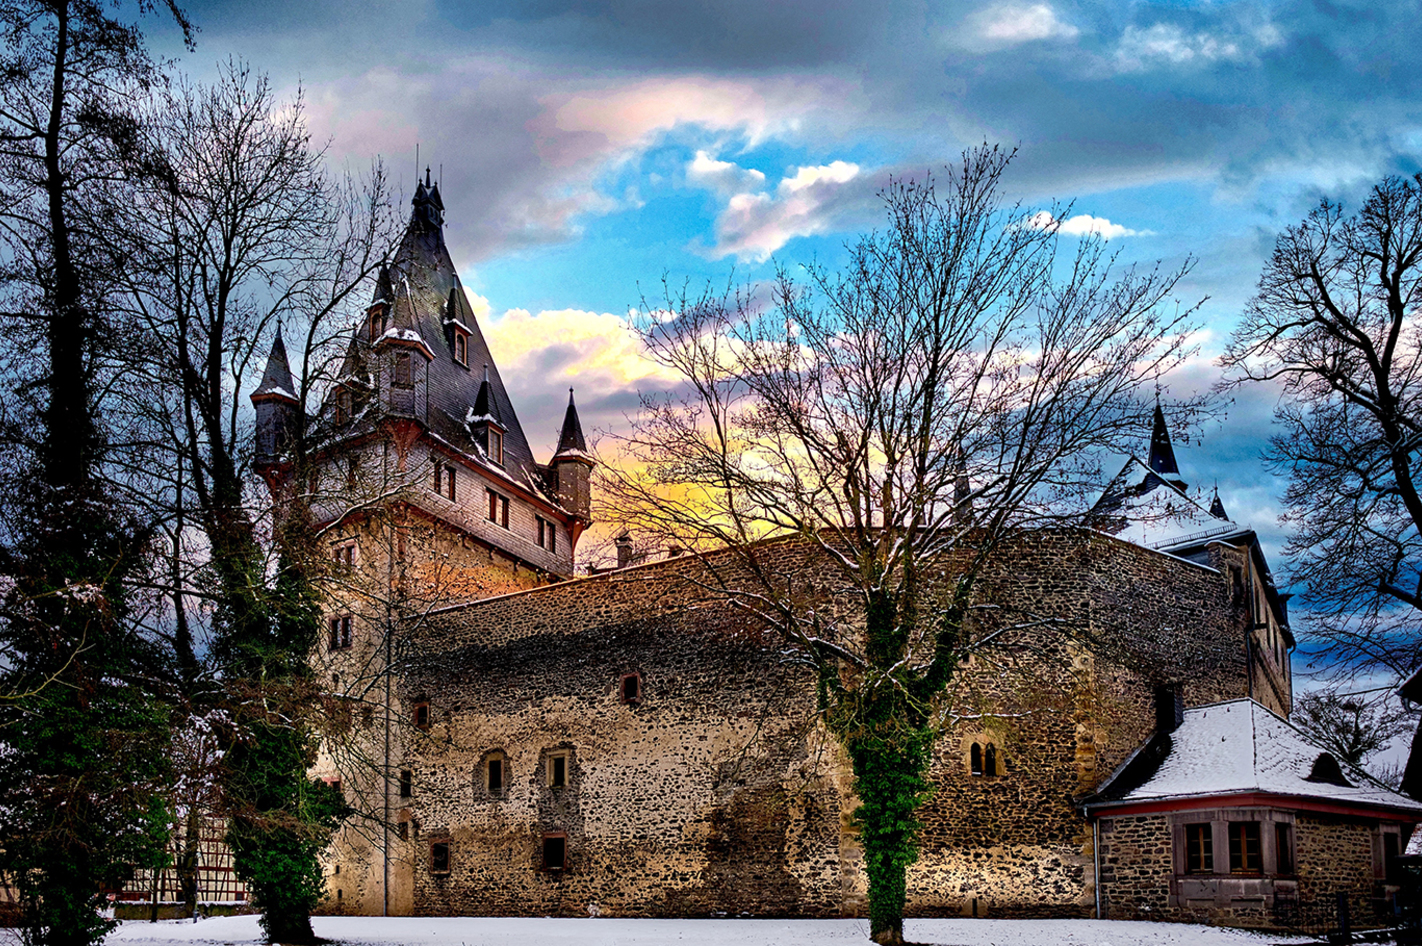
x,y
479,931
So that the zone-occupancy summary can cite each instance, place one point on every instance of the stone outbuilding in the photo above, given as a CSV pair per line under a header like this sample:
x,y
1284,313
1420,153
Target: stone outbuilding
x,y
1235,817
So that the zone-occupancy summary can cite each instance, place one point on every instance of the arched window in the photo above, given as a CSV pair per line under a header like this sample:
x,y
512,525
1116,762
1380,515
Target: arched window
x,y
975,759
990,760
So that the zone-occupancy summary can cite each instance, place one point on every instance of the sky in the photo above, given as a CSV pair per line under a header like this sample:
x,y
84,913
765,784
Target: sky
x,y
587,148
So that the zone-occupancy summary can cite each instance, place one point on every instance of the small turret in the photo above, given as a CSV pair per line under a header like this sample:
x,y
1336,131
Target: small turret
x,y
486,427
277,410
573,465
1162,453
1217,508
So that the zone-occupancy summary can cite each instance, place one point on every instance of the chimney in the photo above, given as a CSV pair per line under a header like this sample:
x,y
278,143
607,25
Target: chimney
x,y
624,550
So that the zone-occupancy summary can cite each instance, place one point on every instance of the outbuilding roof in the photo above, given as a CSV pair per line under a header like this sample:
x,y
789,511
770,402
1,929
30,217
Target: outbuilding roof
x,y
1240,748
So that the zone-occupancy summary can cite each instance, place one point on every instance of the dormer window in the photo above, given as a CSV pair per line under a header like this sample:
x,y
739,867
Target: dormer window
x,y
343,406
403,375
496,446
461,348
377,323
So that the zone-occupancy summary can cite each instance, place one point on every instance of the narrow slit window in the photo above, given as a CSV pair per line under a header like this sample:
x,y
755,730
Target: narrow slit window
x,y
975,759
421,715
407,783
495,783
1199,849
558,770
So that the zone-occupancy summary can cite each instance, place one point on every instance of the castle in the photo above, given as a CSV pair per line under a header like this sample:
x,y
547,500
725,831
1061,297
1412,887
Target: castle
x,y
520,741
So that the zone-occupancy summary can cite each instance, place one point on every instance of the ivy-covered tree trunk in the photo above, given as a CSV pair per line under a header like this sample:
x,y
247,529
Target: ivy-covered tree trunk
x,y
279,818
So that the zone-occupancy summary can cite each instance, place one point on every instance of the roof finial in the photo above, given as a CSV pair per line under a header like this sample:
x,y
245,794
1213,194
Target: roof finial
x,y
570,395
486,373
427,175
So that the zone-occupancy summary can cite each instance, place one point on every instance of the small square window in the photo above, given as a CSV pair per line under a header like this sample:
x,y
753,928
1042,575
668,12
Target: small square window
x,y
631,688
407,783
439,857
557,769
421,716
555,851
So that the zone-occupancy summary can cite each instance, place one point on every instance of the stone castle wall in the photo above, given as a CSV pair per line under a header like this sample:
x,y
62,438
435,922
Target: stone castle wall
x,y
718,793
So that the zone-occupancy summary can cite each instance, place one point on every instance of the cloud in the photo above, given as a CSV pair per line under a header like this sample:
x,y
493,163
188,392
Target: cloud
x,y
1167,44
812,200
1011,24
1083,224
724,176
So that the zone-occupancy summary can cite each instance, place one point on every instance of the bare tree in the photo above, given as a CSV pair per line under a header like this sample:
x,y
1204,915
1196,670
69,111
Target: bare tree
x,y
1351,726
1335,323
240,229
955,382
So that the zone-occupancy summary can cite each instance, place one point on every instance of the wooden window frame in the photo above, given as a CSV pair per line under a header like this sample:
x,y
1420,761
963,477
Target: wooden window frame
x,y
636,680
496,446
461,347
1199,849
340,627
1244,860
402,372
498,508
551,768
502,761
375,324
1284,860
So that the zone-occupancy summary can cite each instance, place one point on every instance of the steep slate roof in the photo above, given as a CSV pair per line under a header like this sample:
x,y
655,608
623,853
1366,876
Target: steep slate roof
x,y
1234,748
1142,507
428,301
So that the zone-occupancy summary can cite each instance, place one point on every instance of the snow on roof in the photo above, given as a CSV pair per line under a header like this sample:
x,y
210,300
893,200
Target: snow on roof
x,y
1148,511
1239,747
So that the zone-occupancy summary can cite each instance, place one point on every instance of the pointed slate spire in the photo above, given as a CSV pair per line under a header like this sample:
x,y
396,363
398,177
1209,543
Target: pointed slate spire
x,y
277,381
570,440
1162,453
384,288
1217,508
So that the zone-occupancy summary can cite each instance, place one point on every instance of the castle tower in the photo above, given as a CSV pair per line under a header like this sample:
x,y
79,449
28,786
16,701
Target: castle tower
x,y
278,418
572,468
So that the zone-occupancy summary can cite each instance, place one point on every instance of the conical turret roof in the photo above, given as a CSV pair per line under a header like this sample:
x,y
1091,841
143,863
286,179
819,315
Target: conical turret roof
x,y
1162,453
277,380
570,439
